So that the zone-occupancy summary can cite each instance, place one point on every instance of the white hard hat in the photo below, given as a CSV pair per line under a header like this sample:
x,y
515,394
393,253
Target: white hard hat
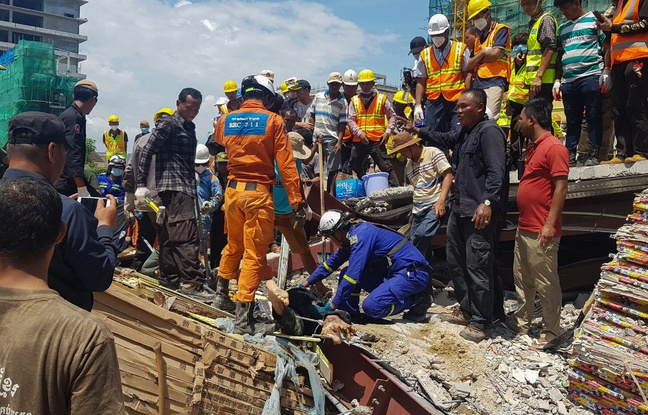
x,y
202,154
221,101
331,221
350,77
438,24
257,82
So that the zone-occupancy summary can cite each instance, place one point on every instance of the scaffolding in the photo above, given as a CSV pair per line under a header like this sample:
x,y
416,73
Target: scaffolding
x,y
30,83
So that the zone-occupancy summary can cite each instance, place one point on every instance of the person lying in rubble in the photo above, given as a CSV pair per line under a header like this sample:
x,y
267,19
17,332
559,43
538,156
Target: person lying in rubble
x,y
297,313
381,262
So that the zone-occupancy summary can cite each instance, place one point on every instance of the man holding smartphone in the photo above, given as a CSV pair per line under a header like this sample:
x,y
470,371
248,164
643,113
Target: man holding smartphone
x,y
85,259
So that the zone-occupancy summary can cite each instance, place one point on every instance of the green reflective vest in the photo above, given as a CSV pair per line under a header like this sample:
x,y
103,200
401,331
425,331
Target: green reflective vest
x,y
534,55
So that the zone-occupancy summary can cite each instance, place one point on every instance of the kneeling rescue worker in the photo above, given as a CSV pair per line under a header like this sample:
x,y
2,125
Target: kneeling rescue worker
x,y
381,262
253,138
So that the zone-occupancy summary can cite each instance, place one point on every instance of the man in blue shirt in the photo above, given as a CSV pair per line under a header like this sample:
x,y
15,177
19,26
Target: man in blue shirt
x,y
381,262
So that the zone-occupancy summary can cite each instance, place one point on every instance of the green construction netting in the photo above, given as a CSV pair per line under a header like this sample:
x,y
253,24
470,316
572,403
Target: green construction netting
x,y
30,83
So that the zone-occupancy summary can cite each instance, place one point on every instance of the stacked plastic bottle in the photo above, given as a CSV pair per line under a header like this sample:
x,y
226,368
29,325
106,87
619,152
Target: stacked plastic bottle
x,y
609,362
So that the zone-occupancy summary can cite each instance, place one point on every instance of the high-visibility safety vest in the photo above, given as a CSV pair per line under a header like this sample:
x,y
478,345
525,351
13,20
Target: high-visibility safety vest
x,y
534,55
115,145
446,79
628,47
372,120
504,121
499,67
223,108
518,90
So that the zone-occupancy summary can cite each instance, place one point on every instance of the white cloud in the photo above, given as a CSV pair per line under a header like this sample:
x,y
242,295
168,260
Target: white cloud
x,y
142,58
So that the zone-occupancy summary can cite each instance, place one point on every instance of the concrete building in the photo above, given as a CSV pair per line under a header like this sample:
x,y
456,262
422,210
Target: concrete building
x,y
55,22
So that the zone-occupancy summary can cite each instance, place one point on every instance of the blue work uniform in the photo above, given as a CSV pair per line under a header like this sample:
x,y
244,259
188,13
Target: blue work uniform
x,y
107,186
392,280
209,189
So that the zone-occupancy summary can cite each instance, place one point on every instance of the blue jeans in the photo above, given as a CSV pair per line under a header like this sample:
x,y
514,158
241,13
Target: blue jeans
x,y
425,226
578,94
441,115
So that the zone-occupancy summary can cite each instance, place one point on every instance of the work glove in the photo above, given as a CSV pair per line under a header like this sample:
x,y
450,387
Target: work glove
x,y
605,81
129,205
418,114
140,198
83,192
556,90
308,212
206,207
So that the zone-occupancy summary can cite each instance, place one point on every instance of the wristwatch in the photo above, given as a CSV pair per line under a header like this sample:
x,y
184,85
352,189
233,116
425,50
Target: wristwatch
x,y
487,202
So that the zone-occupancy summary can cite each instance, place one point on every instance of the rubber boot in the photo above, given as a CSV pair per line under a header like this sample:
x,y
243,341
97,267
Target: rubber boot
x,y
246,323
592,156
223,300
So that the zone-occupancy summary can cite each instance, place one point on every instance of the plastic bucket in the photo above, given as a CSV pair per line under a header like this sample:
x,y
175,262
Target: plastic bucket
x,y
375,181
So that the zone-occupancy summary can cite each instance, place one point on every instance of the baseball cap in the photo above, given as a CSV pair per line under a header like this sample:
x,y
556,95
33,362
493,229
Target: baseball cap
x,y
34,127
221,157
87,84
417,45
334,77
302,83
268,74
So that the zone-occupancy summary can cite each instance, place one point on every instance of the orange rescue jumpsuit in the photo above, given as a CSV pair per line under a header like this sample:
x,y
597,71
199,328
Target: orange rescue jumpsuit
x,y
253,138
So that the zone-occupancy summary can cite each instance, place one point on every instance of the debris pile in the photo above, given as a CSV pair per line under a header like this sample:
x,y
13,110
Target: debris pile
x,y
609,371
169,360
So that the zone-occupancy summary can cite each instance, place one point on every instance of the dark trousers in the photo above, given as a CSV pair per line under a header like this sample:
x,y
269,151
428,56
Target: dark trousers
x,y
441,115
578,94
68,187
302,303
629,94
146,231
471,256
179,247
514,109
217,238
378,155
545,92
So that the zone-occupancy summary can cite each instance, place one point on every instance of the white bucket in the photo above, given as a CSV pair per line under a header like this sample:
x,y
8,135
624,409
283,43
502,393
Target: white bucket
x,y
375,181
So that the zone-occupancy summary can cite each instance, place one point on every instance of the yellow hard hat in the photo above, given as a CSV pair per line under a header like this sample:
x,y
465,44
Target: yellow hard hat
x,y
403,97
476,6
113,118
230,86
284,87
165,110
366,75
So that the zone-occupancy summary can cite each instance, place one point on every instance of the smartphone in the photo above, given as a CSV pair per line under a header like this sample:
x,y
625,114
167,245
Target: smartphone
x,y
91,202
598,16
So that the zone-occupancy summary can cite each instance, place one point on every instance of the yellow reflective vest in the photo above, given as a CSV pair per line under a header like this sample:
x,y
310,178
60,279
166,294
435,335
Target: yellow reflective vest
x,y
518,90
115,145
534,55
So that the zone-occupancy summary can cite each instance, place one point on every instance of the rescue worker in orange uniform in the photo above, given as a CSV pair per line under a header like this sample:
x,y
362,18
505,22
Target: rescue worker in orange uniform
x,y
372,121
629,55
115,139
490,55
442,72
253,138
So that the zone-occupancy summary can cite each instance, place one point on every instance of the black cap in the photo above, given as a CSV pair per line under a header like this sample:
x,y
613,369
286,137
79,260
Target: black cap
x,y
302,83
417,45
34,127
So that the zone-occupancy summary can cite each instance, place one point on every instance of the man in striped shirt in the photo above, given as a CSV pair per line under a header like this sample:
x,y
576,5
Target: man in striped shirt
x,y
581,67
429,172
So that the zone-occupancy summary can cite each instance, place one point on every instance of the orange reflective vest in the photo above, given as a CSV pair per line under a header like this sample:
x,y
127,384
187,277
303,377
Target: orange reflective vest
x,y
518,90
499,67
115,145
631,46
446,79
372,120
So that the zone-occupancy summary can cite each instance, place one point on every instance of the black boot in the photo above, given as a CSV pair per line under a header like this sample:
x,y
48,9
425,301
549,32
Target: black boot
x,y
418,311
223,300
246,323
572,158
592,156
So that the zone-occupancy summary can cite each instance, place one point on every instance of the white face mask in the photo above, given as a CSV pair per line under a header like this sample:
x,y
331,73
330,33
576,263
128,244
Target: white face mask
x,y
480,23
117,172
438,40
114,127
201,169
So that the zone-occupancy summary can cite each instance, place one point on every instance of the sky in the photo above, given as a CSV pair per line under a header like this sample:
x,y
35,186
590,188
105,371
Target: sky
x,y
141,53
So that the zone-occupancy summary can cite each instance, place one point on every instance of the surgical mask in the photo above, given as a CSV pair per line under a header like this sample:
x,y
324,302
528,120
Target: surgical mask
x,y
438,40
145,130
114,127
117,172
201,169
520,49
480,23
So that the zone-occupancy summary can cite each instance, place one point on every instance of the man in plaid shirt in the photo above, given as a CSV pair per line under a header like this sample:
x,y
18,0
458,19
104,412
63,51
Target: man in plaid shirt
x,y
174,144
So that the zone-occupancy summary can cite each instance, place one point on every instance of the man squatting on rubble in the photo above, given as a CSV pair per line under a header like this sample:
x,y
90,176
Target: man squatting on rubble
x,y
381,262
56,358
